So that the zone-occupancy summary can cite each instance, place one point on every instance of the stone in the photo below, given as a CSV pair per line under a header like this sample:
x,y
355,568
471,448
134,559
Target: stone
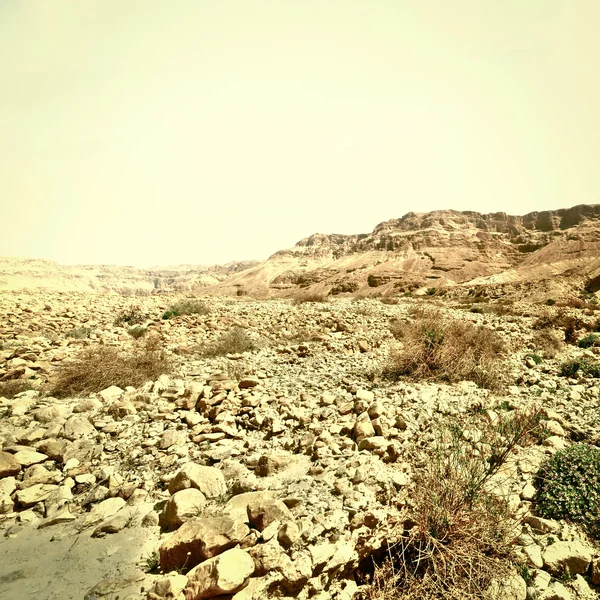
x,y
596,571
26,458
224,574
262,514
34,494
199,539
110,394
77,427
9,466
237,507
209,480
172,437
556,591
567,557
181,507
271,557
511,588
168,588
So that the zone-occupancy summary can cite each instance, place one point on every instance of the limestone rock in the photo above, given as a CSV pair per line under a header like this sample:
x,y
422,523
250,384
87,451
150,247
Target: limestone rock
x,y
8,465
567,557
209,480
199,539
182,506
168,588
224,574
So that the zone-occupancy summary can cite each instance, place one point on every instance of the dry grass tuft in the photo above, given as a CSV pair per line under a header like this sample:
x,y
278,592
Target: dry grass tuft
x,y
460,542
99,367
309,297
9,389
547,342
437,348
234,341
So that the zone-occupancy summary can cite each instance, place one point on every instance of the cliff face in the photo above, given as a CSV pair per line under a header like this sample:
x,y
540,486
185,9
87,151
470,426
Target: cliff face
x,y
416,251
438,248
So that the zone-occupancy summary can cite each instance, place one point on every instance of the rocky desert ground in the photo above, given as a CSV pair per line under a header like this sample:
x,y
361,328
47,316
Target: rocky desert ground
x,y
276,461
388,439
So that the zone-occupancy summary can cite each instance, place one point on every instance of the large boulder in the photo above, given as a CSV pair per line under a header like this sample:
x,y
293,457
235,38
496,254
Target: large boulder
x,y
181,507
199,539
224,574
567,557
209,480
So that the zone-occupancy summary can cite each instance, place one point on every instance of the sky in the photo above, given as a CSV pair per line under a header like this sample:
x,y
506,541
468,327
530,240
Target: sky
x,y
148,132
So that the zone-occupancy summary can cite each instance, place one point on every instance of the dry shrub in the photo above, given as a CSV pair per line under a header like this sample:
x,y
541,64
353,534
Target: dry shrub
x,y
131,316
234,341
459,544
99,367
438,348
547,342
309,297
9,389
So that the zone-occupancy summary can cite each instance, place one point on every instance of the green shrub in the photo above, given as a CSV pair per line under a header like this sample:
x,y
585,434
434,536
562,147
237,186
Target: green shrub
x,y
477,310
572,367
588,341
132,316
550,302
309,297
568,487
534,357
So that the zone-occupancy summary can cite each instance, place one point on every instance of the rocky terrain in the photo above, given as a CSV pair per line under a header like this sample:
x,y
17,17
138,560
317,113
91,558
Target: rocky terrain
x,y
36,274
437,249
280,471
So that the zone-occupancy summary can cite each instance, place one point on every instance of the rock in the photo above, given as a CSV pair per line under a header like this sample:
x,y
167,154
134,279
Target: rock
x,y
199,539
209,480
77,427
542,525
8,465
248,382
34,494
596,571
270,464
556,591
26,458
104,510
110,394
512,588
181,507
567,557
271,557
224,574
237,507
172,437
7,486
168,588
365,395
263,513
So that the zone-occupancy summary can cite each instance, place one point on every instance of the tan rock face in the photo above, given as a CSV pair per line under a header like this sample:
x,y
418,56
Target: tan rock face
x,y
209,480
567,557
182,506
225,574
8,465
199,539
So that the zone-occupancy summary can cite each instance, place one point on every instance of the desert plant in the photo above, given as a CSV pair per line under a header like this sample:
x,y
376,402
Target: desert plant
x,y
536,358
588,341
79,333
547,342
131,316
568,487
309,297
188,306
11,388
234,341
99,367
550,302
438,348
137,332
586,367
462,531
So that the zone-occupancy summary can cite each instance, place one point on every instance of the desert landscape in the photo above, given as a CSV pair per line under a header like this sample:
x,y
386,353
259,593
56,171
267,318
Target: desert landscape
x,y
409,413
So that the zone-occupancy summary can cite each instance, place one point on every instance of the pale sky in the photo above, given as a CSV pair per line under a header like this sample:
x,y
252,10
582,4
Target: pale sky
x,y
148,132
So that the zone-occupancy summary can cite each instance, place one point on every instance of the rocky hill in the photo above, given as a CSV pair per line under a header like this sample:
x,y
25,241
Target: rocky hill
x,y
34,274
435,249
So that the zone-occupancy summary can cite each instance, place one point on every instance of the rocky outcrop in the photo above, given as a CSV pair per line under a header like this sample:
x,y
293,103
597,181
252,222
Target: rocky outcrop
x,y
435,249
